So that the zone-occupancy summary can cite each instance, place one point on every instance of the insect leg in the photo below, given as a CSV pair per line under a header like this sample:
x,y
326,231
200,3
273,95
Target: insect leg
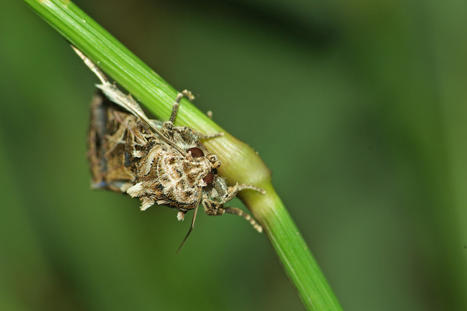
x,y
184,93
208,136
246,216
232,192
213,209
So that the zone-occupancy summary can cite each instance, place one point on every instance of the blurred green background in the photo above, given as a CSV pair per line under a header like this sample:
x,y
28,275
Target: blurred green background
x,y
358,107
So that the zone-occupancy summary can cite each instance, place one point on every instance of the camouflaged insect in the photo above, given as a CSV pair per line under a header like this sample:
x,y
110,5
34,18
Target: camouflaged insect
x,y
155,161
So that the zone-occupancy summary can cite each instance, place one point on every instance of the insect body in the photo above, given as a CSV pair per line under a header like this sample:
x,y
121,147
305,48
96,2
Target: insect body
x,y
126,156
155,161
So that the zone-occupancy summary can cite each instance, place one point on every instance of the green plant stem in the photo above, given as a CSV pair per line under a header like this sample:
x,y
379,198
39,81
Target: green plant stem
x,y
291,249
240,162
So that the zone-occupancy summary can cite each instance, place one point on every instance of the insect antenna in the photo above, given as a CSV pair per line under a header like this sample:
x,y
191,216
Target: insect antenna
x,y
100,75
189,230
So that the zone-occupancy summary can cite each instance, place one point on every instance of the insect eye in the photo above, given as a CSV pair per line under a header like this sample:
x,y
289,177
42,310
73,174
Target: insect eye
x,y
209,178
196,152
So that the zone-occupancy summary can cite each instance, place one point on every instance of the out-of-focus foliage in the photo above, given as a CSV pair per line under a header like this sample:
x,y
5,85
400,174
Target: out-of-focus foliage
x,y
358,107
